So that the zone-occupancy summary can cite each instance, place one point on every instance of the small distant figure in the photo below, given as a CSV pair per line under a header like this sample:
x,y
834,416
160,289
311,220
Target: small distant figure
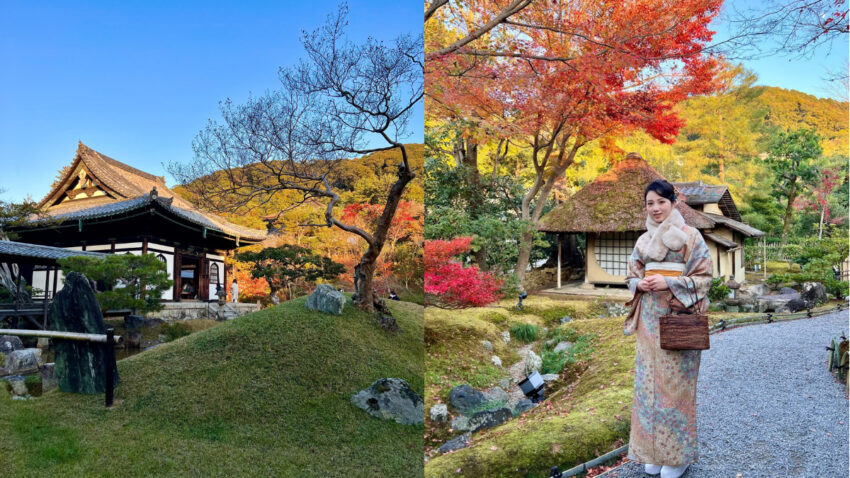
x,y
393,295
234,292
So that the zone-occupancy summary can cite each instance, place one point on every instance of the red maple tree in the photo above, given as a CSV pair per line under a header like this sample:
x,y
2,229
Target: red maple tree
x,y
449,284
557,75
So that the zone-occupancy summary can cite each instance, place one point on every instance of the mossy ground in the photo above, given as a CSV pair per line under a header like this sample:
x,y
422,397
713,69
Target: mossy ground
x,y
263,395
583,420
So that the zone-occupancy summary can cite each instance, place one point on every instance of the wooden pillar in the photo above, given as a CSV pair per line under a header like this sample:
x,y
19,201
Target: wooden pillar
x,y
145,245
224,266
764,257
204,277
178,259
559,260
55,280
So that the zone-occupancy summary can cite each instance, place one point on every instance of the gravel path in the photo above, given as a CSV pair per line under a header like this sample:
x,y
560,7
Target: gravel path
x,y
767,406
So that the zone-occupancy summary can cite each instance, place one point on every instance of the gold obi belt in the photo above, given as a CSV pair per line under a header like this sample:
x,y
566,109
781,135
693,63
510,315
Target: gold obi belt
x,y
667,269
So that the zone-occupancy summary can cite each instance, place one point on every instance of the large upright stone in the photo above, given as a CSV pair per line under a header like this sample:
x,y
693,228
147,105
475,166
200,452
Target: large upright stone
x,y
814,293
80,366
326,299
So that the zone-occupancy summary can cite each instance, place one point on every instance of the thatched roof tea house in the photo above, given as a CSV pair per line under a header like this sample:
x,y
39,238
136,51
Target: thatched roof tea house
x,y
104,205
610,212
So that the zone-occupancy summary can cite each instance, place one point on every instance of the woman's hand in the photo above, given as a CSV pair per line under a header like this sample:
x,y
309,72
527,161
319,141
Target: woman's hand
x,y
655,282
643,286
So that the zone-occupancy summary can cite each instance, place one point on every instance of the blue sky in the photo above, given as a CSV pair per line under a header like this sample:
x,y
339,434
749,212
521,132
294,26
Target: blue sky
x,y
138,80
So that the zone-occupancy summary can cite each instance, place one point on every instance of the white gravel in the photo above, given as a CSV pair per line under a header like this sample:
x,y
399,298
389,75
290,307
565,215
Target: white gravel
x,y
767,405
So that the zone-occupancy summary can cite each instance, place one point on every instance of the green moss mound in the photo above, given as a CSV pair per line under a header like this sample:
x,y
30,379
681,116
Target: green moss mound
x,y
266,394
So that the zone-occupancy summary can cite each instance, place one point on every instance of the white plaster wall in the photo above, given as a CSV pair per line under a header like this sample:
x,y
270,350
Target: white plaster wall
x,y
220,264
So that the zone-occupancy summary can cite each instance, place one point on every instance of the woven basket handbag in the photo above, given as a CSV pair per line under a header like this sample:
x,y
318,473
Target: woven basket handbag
x,y
686,329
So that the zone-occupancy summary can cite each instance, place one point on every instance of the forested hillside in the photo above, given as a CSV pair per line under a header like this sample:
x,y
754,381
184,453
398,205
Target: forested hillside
x,y
362,184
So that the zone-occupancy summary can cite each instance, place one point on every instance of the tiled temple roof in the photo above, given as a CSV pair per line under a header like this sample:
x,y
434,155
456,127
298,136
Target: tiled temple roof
x,y
125,188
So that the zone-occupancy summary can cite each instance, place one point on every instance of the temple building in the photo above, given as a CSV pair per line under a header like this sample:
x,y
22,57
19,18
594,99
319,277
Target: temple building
x,y
103,205
610,212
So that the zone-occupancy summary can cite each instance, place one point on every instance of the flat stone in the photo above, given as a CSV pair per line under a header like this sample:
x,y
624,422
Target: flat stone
x,y
506,337
48,377
496,361
505,383
775,303
489,419
80,366
439,413
787,290
326,299
23,361
796,305
563,346
465,398
496,396
391,399
566,319
456,443
10,343
460,423
549,377
487,345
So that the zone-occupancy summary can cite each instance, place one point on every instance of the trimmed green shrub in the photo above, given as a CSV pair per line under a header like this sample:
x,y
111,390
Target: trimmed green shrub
x,y
719,290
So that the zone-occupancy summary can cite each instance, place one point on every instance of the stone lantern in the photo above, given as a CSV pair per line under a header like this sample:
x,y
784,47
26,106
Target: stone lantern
x,y
734,286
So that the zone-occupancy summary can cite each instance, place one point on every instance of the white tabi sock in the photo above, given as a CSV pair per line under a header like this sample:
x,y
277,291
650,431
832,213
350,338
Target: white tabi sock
x,y
673,471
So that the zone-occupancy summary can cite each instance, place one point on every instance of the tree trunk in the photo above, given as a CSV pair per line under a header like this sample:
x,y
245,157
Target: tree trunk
x,y
365,271
465,153
820,225
539,192
786,223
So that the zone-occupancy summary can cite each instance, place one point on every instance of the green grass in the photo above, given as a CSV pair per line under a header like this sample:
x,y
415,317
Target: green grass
x,y
175,330
266,394
525,333
582,348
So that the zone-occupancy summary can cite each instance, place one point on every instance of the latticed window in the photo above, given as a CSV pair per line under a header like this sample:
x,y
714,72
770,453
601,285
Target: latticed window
x,y
213,273
612,250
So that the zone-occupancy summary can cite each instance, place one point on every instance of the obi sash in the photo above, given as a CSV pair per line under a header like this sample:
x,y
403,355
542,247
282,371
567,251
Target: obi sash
x,y
666,269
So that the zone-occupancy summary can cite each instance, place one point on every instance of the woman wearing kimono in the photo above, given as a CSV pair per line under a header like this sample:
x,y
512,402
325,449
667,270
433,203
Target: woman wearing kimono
x,y
669,269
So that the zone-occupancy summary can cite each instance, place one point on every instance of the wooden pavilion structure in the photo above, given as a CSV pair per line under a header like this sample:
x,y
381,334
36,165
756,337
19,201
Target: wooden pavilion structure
x,y
610,212
103,205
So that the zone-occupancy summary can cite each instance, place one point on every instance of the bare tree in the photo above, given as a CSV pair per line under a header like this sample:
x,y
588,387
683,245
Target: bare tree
x,y
343,99
798,27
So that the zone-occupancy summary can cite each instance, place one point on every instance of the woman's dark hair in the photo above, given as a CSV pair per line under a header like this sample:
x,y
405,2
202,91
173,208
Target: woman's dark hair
x,y
661,188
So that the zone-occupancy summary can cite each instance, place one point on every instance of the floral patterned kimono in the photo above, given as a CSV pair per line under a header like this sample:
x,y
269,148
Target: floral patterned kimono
x,y
663,424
